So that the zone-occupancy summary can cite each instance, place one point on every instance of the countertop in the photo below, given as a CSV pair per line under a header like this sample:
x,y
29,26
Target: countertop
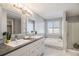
x,y
5,49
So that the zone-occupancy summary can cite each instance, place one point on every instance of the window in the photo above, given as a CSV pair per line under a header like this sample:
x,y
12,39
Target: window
x,y
30,26
53,27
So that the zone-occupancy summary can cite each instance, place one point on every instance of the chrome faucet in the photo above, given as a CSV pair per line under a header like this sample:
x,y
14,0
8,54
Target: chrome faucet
x,y
16,37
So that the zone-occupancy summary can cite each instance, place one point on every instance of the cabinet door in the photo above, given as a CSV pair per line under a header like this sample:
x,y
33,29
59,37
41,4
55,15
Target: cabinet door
x,y
43,45
32,51
40,48
36,48
27,50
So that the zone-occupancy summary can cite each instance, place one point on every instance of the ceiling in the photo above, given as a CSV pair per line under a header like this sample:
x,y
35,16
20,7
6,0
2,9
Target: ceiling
x,y
53,10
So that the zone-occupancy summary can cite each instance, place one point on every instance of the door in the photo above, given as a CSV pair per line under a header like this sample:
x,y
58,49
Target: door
x,y
73,34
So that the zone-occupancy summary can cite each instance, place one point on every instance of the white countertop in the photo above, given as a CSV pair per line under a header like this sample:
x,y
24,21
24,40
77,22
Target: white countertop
x,y
22,41
17,42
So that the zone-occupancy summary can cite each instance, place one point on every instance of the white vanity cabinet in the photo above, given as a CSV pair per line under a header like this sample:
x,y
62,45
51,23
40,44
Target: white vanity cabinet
x,y
33,49
36,48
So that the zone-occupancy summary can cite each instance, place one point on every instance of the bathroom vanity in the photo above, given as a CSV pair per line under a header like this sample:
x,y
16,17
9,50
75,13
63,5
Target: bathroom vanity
x,y
24,47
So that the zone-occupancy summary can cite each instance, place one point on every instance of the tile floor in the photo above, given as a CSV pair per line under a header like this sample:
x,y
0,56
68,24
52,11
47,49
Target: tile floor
x,y
56,52
51,49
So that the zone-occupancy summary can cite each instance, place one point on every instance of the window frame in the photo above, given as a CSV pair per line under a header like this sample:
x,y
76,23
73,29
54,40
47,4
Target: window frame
x,y
53,26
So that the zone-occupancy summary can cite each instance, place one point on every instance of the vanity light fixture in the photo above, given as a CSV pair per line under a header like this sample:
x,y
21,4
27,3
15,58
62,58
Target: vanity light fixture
x,y
24,10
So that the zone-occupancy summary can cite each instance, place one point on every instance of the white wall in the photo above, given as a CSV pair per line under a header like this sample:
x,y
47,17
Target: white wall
x,y
3,23
64,30
24,22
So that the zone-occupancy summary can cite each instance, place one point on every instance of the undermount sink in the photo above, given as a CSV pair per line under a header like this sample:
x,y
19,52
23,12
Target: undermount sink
x,y
36,37
33,37
17,42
